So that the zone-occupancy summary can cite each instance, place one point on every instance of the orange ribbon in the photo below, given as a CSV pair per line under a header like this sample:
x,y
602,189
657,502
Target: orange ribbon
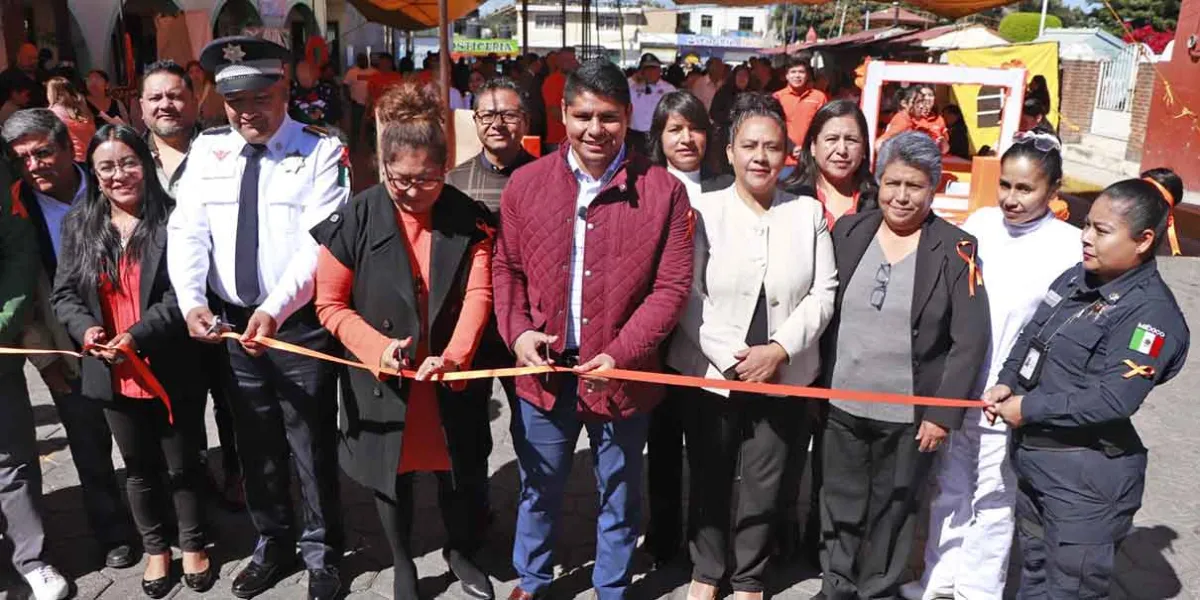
x,y
774,389
141,370
1136,370
1172,236
973,271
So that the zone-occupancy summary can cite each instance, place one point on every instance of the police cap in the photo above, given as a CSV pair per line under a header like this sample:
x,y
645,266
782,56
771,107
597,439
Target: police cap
x,y
243,63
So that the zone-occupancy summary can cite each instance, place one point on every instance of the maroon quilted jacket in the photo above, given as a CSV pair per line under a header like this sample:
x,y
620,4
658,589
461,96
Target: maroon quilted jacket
x,y
638,257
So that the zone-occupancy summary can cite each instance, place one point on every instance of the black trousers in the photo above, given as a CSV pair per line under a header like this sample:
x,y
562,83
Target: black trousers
x,y
789,490
664,474
459,501
874,475
162,465
737,450
285,406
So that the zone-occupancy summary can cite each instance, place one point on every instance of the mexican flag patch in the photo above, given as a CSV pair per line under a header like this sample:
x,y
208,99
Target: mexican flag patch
x,y
1147,340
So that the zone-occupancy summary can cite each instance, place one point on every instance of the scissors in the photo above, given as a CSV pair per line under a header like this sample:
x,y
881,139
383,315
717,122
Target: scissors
x,y
218,327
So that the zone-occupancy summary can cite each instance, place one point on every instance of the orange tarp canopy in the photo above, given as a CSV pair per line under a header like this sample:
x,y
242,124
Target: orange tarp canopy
x,y
411,14
945,8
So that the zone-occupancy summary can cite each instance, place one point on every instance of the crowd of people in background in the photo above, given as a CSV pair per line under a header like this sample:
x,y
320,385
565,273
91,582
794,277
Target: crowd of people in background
x,y
716,222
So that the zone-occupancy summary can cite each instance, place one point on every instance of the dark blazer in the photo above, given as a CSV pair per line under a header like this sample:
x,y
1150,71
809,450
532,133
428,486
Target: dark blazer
x,y
951,330
161,335
364,236
45,247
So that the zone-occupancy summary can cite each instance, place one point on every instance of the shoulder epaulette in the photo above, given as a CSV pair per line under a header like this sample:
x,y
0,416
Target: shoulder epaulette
x,y
217,130
316,130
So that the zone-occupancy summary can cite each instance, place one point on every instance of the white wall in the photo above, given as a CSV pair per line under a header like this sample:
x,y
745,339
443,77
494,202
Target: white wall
x,y
724,19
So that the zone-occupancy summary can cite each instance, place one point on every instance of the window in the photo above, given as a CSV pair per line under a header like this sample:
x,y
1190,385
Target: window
x,y
612,22
547,21
988,106
745,23
705,24
683,23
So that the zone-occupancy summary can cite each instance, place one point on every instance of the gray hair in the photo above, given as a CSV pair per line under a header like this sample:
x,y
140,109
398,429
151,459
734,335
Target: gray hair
x,y
36,122
497,84
914,149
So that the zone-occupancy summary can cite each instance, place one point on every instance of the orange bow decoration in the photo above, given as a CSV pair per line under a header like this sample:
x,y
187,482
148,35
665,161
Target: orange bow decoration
x,y
1172,236
973,271
1136,370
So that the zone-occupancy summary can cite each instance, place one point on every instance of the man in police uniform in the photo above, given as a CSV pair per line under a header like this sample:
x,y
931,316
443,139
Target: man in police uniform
x,y
646,88
244,207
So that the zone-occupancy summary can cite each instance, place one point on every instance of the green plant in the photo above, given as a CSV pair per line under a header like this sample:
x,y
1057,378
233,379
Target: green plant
x,y
1023,26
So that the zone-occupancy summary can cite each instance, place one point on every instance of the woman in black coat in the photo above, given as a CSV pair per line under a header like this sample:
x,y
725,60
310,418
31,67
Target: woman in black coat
x,y
404,280
911,318
112,290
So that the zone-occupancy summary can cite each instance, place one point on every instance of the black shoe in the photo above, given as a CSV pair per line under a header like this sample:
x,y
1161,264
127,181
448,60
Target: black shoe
x,y
475,583
157,588
202,581
324,584
122,556
661,552
257,578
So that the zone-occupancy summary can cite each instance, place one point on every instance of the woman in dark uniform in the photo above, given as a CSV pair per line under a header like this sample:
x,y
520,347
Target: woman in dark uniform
x,y
1108,332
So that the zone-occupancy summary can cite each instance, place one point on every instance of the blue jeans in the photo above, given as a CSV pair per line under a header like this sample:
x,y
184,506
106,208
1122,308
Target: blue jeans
x,y
545,442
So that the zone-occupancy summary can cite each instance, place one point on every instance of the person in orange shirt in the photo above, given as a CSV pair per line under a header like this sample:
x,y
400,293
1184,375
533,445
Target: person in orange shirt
x,y
800,102
398,295
385,76
563,62
928,119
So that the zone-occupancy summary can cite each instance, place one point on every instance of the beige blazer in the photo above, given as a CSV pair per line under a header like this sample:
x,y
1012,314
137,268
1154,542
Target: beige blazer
x,y
788,252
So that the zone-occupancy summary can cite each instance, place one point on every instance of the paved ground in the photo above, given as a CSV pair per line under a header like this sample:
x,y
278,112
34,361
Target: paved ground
x,y
1161,559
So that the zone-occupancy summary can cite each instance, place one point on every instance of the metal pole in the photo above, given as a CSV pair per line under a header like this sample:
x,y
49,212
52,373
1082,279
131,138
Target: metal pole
x,y
444,73
1042,25
525,26
564,23
842,24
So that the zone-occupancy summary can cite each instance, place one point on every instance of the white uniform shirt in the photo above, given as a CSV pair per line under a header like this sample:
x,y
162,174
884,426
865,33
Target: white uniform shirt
x,y
302,181
588,190
645,99
1019,263
54,211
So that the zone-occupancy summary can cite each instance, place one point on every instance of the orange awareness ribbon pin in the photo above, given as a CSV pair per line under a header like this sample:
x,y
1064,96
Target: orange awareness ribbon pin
x,y
141,370
1136,370
973,271
774,389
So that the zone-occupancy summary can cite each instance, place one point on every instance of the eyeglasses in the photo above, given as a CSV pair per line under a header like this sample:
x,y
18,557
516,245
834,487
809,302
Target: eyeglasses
x,y
108,170
507,117
38,156
883,275
404,183
1043,142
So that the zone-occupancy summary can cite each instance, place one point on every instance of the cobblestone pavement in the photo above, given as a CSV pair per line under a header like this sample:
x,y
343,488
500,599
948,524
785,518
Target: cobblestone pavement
x,y
1161,559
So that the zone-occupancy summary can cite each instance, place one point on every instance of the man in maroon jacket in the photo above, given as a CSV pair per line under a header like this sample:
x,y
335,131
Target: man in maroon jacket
x,y
593,266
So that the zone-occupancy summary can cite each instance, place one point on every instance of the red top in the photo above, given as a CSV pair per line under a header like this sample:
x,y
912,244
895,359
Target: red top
x,y
830,219
378,83
121,310
798,111
934,126
901,122
423,446
552,95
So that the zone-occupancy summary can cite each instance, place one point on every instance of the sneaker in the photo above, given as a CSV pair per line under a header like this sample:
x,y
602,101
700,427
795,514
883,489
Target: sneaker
x,y
47,583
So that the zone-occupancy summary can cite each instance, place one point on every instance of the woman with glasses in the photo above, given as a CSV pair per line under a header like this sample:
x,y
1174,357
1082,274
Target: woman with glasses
x,y
912,318
1024,248
763,292
404,281
113,295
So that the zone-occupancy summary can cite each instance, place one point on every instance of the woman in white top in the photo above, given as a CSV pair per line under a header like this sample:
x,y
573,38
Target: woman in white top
x,y
763,293
678,141
1023,247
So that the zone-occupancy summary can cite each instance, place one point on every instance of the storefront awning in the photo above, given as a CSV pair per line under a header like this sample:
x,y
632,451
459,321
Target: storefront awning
x,y
412,15
945,8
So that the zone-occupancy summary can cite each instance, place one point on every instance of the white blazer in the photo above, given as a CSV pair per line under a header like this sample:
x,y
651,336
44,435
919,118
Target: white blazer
x,y
787,251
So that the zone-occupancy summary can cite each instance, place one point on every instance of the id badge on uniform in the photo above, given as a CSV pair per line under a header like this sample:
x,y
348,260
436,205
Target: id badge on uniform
x,y
1031,365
